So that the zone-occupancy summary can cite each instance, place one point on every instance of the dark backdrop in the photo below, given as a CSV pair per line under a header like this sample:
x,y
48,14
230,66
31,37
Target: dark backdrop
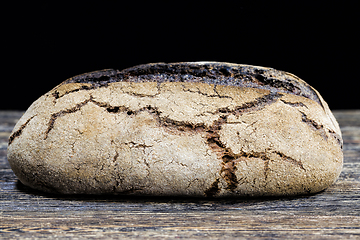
x,y
46,44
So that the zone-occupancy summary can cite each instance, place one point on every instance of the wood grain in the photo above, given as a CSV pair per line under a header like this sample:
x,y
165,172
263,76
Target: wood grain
x,y
331,214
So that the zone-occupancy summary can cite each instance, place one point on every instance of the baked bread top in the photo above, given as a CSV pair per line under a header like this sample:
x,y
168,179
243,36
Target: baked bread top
x,y
218,73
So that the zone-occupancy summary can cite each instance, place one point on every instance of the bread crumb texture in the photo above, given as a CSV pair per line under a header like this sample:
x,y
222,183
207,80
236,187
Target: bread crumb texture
x,y
176,139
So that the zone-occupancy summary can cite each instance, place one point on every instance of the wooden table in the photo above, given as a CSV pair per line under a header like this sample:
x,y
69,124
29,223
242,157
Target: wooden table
x,y
331,214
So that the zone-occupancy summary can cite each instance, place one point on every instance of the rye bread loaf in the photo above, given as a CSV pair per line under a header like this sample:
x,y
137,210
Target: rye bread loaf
x,y
189,129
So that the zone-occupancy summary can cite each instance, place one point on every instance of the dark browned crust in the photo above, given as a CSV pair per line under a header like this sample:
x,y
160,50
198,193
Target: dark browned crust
x,y
217,73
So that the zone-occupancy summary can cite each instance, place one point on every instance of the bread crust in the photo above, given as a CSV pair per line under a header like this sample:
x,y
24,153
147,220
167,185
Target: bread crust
x,y
190,129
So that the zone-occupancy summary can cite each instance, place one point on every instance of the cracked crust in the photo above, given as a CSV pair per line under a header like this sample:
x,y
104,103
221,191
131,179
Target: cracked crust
x,y
215,73
189,129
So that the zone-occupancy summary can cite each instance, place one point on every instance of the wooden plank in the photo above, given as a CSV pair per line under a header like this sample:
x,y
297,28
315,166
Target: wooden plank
x,y
331,214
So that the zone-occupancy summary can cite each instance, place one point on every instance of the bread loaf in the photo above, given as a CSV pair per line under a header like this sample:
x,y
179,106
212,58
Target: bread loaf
x,y
207,129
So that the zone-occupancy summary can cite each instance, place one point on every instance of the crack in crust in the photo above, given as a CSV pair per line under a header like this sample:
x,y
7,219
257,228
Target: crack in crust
x,y
258,104
230,161
337,138
54,116
213,190
290,160
295,104
56,94
77,107
319,128
19,131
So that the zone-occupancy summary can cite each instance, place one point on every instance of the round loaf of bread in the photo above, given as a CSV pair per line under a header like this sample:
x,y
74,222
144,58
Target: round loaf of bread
x,y
179,129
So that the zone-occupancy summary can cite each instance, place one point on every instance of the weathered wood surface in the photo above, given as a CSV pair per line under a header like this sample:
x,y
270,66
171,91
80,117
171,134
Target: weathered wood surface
x,y
331,214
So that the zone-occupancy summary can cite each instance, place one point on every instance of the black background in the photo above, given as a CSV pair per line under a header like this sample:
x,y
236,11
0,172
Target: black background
x,y
44,44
